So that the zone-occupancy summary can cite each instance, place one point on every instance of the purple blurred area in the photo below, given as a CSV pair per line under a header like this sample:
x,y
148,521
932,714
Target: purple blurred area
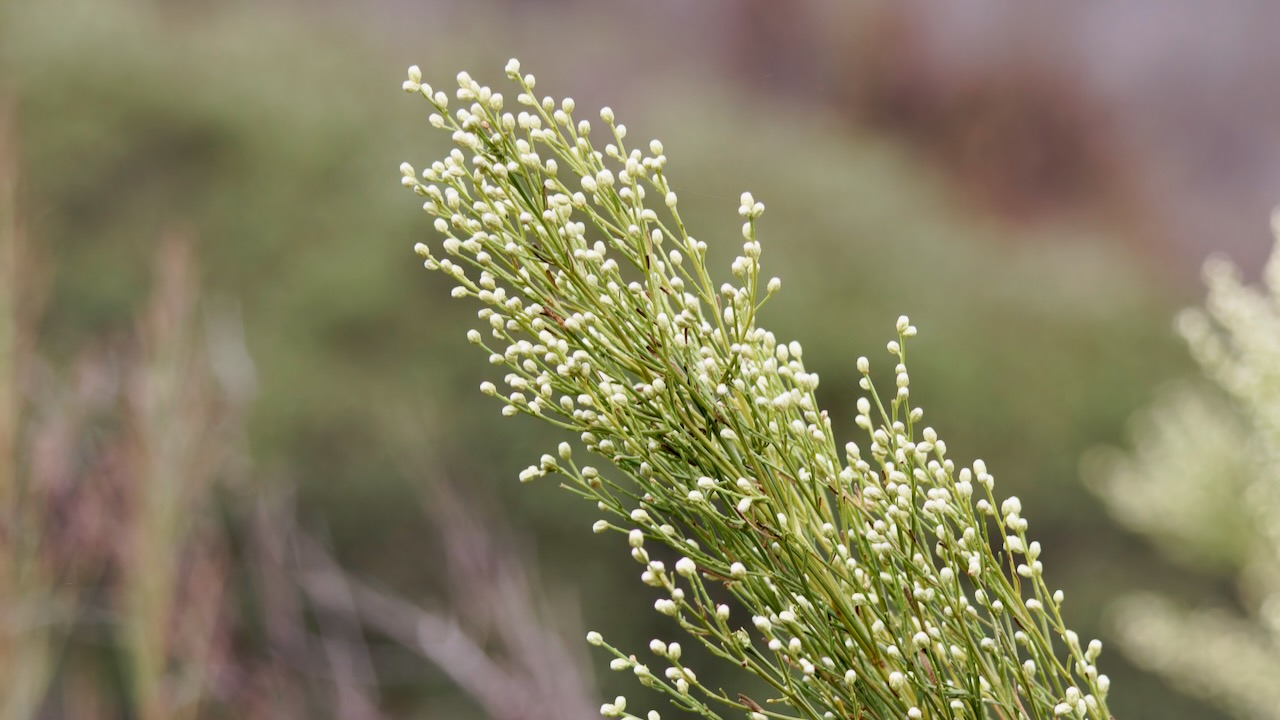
x,y
1157,121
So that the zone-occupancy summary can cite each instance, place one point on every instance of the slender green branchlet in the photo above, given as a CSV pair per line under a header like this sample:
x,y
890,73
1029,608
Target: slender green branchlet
x,y
857,582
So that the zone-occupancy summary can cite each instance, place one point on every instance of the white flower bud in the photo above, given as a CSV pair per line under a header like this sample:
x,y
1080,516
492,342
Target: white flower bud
x,y
1011,506
615,708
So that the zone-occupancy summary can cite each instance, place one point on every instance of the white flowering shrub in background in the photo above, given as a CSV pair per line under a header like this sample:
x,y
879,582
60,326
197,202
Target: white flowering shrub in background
x,y
1203,482
856,584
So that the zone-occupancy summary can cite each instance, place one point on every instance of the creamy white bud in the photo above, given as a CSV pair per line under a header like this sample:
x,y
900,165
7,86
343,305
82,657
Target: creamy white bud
x,y
1094,650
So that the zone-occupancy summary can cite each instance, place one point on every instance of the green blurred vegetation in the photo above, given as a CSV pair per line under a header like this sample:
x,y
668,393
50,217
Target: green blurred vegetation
x,y
273,136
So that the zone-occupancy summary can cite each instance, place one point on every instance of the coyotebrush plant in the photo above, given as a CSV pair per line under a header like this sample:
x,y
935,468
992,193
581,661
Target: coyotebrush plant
x,y
865,581
1202,482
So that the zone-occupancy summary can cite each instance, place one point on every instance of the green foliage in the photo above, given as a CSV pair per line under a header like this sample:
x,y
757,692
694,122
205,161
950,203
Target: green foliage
x,y
858,576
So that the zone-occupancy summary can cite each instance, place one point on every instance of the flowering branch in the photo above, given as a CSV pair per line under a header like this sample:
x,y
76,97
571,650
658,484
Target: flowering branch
x,y
868,579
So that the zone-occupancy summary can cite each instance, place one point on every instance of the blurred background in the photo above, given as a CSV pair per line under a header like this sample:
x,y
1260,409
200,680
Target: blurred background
x,y
244,468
